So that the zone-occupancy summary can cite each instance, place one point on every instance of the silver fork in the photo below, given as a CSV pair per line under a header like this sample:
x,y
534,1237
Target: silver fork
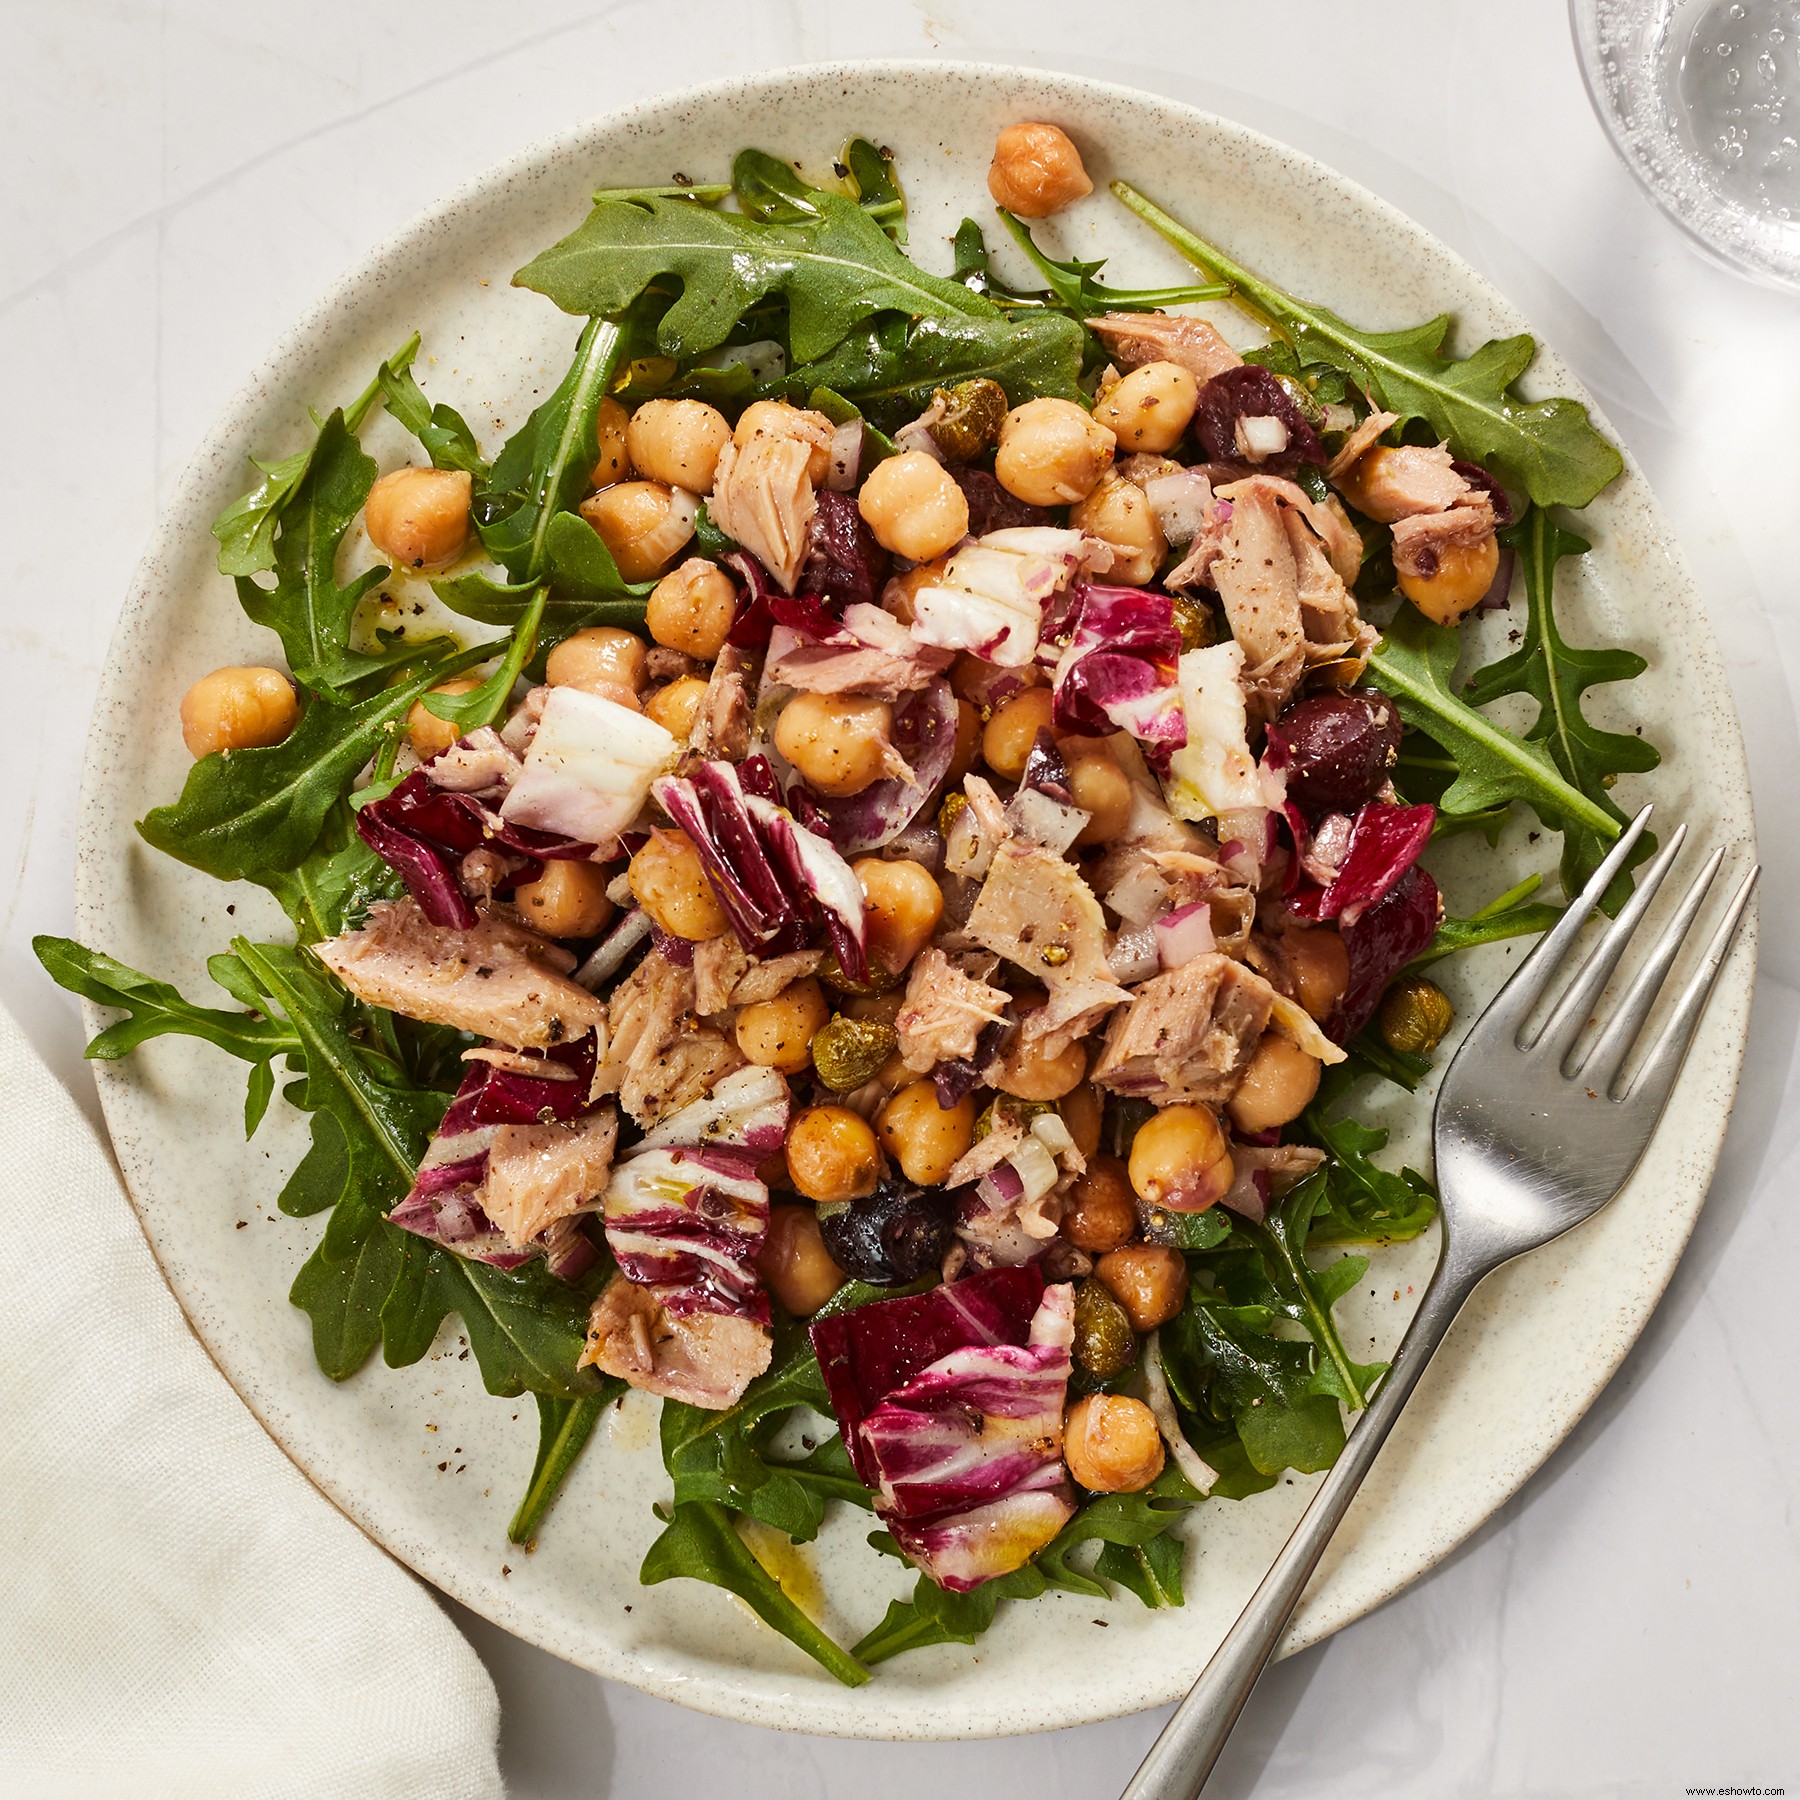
x,y
1535,1131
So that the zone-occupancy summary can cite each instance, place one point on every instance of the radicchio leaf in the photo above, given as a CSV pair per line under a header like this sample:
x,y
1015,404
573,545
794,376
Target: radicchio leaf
x,y
925,737
1380,944
1119,671
1385,841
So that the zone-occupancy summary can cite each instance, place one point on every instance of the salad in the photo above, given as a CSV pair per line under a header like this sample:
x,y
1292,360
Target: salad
x,y
847,877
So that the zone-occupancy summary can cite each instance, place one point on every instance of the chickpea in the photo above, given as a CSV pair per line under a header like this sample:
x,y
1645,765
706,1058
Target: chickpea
x,y
1149,1280
677,442
1318,966
902,905
1111,1444
913,507
1117,513
567,901
669,883
428,734
1027,1073
238,709
778,419
1102,1210
967,746
837,742
692,608
1180,1159
1464,573
641,524
778,1033
926,1139
1099,786
902,592
1081,1111
600,660
794,1263
1007,737
419,518
609,430
1151,407
832,1154
676,706
1036,170
1052,452
1277,1086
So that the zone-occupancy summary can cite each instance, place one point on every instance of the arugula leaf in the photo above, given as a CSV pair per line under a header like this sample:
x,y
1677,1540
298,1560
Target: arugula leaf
x,y
1306,1295
564,1427
830,261
156,1009
1071,287
544,466
1415,663
871,174
1223,1363
1556,675
1127,1521
485,703
1513,914
702,1544
306,608
246,528
526,1328
586,587
335,883
1369,1055
1362,1202
441,429
891,368
935,1615
246,813
1548,447
1152,1571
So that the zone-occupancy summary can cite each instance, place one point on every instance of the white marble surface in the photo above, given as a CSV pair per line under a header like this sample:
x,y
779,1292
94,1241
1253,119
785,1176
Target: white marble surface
x,y
183,177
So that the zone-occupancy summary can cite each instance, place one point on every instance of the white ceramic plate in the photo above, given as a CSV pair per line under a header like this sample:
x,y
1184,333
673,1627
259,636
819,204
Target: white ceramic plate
x,y
431,1466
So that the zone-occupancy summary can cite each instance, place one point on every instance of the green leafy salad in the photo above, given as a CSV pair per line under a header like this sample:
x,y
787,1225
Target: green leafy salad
x,y
868,915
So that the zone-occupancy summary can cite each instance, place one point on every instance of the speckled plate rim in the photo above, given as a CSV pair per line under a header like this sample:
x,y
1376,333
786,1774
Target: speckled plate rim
x,y
1344,1591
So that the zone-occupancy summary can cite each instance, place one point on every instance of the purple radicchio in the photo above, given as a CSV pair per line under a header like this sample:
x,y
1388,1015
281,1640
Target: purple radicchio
x,y
1119,671
762,606
773,877
1251,392
963,1450
871,652
1383,843
1381,942
423,832
686,1212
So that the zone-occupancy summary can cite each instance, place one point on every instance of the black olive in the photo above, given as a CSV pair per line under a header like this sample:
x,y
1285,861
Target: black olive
x,y
1340,749
891,1236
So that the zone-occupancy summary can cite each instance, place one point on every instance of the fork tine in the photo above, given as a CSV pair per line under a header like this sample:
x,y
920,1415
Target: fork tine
x,y
1656,1074
1512,1007
1559,1034
1606,1055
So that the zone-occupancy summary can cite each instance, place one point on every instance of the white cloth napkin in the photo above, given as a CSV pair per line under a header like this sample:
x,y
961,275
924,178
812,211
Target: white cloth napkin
x,y
181,1612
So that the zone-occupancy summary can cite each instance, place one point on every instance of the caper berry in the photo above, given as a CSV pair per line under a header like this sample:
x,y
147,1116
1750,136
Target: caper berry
x,y
950,812
972,411
1104,1340
1415,1015
996,1111
848,1052
1194,620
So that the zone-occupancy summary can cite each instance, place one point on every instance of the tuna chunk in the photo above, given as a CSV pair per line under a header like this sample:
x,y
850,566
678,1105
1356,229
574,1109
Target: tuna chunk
x,y
659,1056
763,497
537,1174
1328,612
1363,438
944,1013
1037,911
1138,338
701,1358
722,725
1187,1035
1330,523
1259,586
498,979
1416,478
1421,540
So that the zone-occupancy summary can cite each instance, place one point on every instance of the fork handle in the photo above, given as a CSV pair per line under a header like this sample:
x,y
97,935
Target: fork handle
x,y
1183,1756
